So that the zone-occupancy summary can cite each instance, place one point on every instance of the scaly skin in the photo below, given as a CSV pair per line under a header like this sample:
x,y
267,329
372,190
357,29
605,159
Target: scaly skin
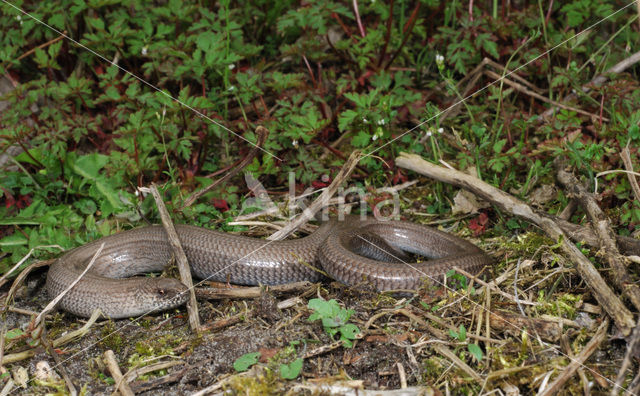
x,y
238,259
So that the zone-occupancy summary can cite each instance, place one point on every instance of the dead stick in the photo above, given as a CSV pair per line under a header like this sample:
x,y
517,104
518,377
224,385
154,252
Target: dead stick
x,y
262,134
114,369
448,353
602,227
579,233
181,259
251,292
628,165
605,296
322,200
578,362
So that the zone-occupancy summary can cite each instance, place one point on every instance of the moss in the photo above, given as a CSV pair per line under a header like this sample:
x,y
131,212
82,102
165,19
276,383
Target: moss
x,y
111,338
261,381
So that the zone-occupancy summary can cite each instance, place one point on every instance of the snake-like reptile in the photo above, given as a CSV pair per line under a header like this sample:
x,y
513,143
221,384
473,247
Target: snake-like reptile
x,y
351,251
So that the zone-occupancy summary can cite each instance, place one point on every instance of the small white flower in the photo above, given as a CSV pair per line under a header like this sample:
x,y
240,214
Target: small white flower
x,y
18,17
164,111
440,61
374,137
232,66
231,88
364,120
381,122
440,130
144,50
429,133
294,142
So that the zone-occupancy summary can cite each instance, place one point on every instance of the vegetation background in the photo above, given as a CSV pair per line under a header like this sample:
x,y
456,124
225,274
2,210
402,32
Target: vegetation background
x,y
324,78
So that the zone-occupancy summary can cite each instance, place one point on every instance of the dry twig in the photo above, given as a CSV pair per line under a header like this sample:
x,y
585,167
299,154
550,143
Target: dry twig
x,y
321,201
602,227
605,296
181,259
114,369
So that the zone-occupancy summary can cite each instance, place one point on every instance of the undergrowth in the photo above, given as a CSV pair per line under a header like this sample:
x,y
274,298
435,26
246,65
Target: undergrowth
x,y
322,83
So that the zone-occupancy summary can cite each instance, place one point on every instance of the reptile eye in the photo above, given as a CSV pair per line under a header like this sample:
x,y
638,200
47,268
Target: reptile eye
x,y
161,292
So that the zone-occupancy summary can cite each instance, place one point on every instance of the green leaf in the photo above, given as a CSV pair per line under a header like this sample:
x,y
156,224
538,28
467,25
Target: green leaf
x,y
245,361
88,166
13,240
362,139
497,147
97,23
462,334
13,333
19,221
491,47
476,351
28,157
346,118
349,331
112,93
109,193
292,370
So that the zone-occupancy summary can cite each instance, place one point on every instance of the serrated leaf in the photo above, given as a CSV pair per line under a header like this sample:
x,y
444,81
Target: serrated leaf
x,y
362,139
345,119
112,93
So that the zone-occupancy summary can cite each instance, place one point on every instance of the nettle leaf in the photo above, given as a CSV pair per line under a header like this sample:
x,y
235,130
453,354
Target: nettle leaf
x,y
321,307
291,370
349,331
245,361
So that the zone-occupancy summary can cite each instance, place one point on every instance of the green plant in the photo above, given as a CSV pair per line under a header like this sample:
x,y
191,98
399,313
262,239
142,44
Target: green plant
x,y
473,348
334,319
245,361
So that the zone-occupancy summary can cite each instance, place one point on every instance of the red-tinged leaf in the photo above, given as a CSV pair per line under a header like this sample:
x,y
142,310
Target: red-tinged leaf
x,y
318,184
479,224
9,201
220,204
399,178
23,201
